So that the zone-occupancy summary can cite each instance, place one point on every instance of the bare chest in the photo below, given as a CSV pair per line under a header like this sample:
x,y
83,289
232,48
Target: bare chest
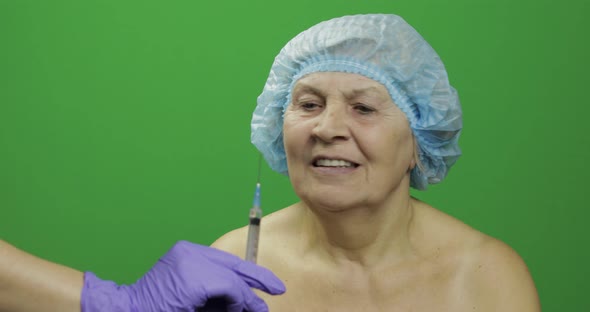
x,y
420,289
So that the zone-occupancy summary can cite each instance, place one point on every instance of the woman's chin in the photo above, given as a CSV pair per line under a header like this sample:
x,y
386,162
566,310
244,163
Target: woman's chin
x,y
332,201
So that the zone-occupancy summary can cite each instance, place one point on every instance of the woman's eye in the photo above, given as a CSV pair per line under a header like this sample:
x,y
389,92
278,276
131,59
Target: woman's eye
x,y
309,106
364,109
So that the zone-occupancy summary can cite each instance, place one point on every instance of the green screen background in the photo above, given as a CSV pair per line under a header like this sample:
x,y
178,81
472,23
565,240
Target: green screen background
x,y
124,125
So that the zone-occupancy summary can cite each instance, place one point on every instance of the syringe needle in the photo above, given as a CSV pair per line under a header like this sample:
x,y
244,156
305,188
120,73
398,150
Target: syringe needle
x,y
259,167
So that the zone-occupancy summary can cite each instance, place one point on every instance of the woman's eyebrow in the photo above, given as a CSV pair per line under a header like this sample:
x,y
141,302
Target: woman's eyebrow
x,y
305,88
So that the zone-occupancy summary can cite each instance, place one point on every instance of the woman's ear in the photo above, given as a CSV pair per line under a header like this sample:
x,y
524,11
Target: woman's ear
x,y
415,160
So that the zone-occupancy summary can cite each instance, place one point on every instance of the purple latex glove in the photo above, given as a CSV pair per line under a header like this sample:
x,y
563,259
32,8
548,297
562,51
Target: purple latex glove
x,y
184,279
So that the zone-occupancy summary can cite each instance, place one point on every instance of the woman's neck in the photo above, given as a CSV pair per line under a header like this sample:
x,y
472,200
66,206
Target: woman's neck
x,y
364,235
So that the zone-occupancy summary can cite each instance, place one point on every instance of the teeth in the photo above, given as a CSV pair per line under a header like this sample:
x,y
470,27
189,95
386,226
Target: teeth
x,y
333,163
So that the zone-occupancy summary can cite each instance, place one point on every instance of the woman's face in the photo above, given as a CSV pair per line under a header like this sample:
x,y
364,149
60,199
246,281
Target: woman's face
x,y
347,143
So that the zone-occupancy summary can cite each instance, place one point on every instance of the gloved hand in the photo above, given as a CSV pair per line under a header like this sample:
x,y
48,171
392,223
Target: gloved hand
x,y
184,279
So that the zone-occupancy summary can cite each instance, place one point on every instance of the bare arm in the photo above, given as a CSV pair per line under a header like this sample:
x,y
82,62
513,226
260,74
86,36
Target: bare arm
x,y
29,283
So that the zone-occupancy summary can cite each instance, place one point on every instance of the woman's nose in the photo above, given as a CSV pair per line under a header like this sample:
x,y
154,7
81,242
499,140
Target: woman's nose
x,y
331,125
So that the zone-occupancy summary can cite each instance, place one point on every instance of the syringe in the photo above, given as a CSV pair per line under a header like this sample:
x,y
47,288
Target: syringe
x,y
254,227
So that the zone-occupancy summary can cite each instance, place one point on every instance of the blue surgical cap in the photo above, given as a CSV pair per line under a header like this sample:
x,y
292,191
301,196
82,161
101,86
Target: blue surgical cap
x,y
382,47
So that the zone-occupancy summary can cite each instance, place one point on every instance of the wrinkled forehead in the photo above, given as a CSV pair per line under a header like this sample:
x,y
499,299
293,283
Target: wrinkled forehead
x,y
349,84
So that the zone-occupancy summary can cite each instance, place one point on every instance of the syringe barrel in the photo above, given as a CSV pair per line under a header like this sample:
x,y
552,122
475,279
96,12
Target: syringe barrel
x,y
252,243
254,227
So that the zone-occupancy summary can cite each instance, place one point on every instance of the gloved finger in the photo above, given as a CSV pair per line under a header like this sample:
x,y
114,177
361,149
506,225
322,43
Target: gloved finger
x,y
253,303
227,287
260,278
222,305
250,302
234,295
255,275
214,305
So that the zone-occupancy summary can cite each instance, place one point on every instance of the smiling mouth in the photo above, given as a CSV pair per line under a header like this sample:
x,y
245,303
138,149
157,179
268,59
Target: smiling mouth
x,y
334,163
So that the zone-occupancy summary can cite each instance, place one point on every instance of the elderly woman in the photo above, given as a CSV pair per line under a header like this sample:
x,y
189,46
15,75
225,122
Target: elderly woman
x,y
356,110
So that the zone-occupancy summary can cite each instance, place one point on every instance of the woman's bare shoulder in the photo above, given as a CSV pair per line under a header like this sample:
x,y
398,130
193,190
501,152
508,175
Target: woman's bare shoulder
x,y
492,274
439,230
233,241
496,276
271,227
